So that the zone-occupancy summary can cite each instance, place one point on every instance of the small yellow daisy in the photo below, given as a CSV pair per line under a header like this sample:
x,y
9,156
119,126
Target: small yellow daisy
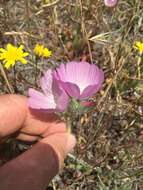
x,y
139,46
12,54
41,51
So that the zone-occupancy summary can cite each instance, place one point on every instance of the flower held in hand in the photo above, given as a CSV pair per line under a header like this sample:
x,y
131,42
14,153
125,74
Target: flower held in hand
x,y
79,79
53,98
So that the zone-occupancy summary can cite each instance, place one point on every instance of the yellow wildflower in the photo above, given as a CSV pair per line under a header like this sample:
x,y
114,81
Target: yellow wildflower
x,y
12,54
139,46
41,51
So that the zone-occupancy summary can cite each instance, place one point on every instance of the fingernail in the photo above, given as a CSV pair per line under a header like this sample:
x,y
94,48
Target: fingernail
x,y
71,142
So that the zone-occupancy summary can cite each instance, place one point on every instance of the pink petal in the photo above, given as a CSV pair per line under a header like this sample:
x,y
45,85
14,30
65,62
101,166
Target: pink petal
x,y
73,69
89,91
46,82
60,96
54,97
77,73
37,100
110,3
95,75
80,79
71,89
60,72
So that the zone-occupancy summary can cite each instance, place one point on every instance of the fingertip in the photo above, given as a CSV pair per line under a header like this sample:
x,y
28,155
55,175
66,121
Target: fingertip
x,y
71,142
62,144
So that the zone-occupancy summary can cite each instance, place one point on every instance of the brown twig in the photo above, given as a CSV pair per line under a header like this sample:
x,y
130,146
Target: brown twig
x,y
85,31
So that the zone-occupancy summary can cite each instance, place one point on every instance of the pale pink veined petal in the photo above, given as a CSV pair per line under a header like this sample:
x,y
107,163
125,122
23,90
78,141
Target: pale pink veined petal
x,y
38,100
81,79
46,82
77,73
60,72
95,75
60,96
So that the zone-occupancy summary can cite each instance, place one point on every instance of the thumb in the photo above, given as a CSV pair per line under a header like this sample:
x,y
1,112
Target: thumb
x,y
62,144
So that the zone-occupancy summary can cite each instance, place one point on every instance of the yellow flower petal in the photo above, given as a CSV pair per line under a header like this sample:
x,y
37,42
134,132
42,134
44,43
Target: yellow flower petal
x,y
46,53
139,46
10,47
21,47
2,50
8,64
41,51
24,61
25,54
13,54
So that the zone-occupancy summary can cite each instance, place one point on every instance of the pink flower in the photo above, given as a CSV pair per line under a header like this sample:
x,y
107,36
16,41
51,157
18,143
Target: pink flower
x,y
53,98
79,79
110,3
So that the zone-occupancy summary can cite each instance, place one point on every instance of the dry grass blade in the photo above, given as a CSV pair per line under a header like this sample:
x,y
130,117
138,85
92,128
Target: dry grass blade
x,y
47,5
102,38
10,88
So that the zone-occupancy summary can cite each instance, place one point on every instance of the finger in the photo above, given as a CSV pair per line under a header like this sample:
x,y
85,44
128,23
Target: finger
x,y
29,138
62,143
59,127
42,123
13,109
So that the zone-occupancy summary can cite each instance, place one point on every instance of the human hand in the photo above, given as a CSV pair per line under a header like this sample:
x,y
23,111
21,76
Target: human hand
x,y
28,124
31,125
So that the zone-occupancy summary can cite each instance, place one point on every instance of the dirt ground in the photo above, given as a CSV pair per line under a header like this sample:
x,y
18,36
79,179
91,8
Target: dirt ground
x,y
109,151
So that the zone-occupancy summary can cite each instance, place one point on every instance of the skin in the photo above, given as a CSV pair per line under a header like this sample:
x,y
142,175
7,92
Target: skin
x,y
33,169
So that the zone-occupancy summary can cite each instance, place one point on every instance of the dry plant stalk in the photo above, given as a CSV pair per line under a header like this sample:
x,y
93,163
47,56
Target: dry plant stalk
x,y
10,88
